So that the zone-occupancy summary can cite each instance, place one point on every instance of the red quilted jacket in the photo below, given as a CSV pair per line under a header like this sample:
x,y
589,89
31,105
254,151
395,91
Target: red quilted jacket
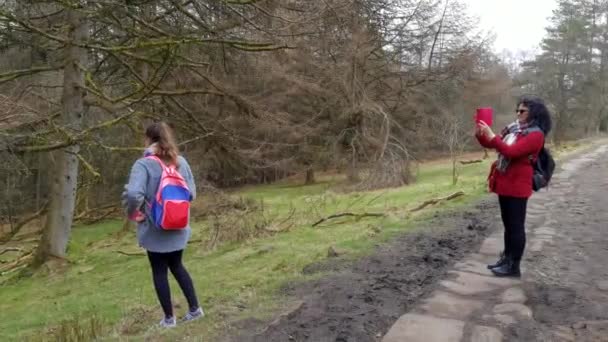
x,y
516,181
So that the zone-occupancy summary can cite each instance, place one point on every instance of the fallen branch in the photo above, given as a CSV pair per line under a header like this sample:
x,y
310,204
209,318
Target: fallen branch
x,y
93,220
15,269
358,216
87,214
23,222
131,253
11,249
278,228
100,246
16,263
437,200
468,162
23,239
127,226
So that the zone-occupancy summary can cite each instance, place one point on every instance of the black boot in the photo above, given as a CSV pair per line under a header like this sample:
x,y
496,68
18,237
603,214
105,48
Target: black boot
x,y
509,269
500,262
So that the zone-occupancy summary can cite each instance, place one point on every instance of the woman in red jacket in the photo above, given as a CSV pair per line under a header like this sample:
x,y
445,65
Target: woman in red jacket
x,y
511,175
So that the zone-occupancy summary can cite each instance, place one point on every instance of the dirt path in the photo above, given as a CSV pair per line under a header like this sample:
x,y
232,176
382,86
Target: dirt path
x,y
563,294
567,282
433,286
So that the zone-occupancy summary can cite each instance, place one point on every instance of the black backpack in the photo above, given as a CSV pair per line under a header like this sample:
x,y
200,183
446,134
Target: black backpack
x,y
543,166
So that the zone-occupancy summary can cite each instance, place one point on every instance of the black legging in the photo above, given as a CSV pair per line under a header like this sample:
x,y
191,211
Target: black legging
x,y
173,261
513,212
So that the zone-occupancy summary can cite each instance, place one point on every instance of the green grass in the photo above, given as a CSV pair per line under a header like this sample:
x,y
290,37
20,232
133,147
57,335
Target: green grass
x,y
234,281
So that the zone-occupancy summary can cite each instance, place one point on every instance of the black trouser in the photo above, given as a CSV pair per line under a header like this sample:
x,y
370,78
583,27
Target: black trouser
x,y
160,262
513,212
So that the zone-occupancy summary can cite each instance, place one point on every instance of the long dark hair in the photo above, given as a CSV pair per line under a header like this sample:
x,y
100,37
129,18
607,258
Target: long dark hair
x,y
538,114
166,148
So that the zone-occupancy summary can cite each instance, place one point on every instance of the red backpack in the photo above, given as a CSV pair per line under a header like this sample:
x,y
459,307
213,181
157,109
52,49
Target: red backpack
x,y
171,208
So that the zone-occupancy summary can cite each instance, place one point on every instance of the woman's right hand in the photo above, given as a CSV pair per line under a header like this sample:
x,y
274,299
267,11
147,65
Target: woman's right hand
x,y
486,130
138,217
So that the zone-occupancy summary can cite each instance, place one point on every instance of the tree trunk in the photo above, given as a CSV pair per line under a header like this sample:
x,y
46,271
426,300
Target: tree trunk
x,y
559,135
437,34
58,225
310,176
352,173
454,170
9,199
38,181
148,12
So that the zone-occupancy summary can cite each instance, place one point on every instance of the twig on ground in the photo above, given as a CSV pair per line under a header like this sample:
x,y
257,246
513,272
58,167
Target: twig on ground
x,y
437,200
131,253
358,216
376,197
468,162
279,227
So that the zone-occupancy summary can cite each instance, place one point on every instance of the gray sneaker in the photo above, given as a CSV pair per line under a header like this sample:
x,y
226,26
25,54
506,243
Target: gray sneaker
x,y
168,322
193,315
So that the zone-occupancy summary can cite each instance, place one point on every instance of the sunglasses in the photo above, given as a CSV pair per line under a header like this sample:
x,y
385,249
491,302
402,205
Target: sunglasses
x,y
521,111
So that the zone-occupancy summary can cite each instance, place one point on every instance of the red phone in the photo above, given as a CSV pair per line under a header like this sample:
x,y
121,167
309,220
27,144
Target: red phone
x,y
484,114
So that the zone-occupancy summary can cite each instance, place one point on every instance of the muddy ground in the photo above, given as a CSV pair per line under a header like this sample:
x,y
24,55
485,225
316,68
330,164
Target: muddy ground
x,y
364,299
566,282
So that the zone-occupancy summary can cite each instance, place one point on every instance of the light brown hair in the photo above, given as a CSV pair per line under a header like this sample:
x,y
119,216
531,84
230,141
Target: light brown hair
x,y
162,135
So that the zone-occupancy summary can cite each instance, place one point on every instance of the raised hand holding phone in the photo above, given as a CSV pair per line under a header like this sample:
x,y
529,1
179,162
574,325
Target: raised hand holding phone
x,y
484,114
485,130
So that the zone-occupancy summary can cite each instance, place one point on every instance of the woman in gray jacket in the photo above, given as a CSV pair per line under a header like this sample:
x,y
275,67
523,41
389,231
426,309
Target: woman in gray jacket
x,y
164,247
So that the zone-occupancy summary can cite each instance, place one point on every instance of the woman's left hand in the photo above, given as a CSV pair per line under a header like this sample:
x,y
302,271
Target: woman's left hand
x,y
486,130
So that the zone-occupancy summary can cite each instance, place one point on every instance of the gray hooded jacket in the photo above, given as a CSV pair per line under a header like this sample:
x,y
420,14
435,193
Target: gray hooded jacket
x,y
141,189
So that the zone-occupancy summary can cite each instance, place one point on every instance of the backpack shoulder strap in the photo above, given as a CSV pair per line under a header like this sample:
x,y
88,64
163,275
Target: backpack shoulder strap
x,y
533,129
154,157
161,162
536,129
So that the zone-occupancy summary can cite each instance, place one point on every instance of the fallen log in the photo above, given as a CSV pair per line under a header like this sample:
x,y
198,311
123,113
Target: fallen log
x,y
437,200
357,216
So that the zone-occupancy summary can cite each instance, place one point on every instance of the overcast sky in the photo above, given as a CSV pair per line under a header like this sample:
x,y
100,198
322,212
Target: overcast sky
x,y
518,24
